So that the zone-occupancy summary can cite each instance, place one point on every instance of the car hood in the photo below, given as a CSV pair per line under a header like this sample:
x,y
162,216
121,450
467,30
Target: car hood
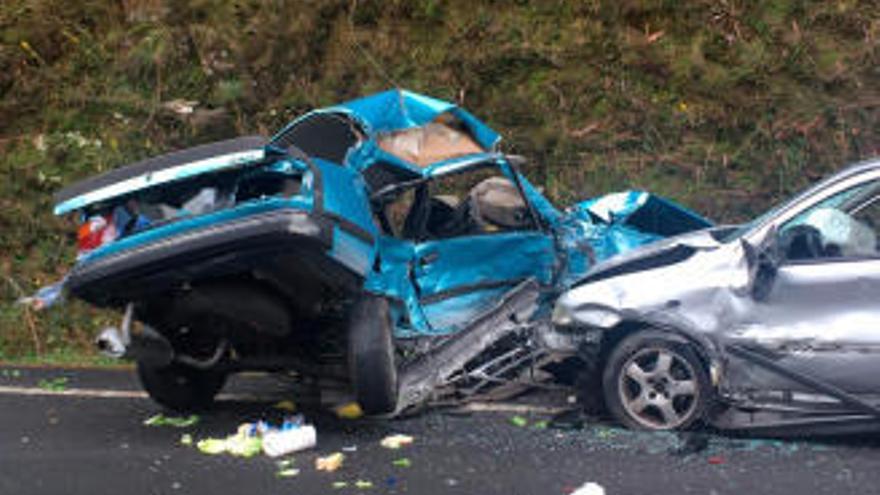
x,y
662,252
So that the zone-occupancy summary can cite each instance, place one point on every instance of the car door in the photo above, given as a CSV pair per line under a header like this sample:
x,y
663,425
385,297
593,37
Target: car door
x,y
470,237
822,312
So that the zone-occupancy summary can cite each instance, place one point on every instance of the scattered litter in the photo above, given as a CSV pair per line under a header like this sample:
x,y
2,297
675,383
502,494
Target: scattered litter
x,y
287,473
363,484
186,439
351,410
396,441
212,446
292,436
350,448
58,384
339,484
391,481
177,422
716,460
589,488
690,443
330,463
286,405
567,420
11,373
519,421
45,297
252,438
243,444
402,462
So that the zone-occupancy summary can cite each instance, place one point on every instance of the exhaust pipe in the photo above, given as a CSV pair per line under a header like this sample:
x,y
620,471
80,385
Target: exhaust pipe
x,y
147,346
111,344
114,342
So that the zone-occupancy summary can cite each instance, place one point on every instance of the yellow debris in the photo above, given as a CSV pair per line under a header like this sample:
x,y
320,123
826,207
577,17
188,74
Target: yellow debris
x,y
286,405
351,410
396,441
330,463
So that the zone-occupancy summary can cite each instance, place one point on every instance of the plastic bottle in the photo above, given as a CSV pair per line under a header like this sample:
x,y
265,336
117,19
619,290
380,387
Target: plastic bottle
x,y
281,442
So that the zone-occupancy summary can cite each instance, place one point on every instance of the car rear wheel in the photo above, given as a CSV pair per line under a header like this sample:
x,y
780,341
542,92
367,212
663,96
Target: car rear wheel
x,y
654,382
371,355
179,387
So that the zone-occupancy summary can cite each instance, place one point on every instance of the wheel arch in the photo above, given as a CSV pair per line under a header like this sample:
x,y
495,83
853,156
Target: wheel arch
x,y
676,328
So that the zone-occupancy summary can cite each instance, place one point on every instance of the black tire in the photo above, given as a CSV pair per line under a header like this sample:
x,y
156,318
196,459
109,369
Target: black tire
x,y
181,388
371,355
646,392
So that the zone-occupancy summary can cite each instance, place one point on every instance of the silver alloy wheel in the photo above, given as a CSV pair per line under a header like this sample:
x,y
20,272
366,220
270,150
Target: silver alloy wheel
x,y
658,388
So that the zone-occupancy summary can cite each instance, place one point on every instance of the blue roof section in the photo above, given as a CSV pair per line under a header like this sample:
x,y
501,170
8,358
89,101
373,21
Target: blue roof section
x,y
399,109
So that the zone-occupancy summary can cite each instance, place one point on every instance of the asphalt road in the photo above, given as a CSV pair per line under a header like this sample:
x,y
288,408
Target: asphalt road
x,y
87,437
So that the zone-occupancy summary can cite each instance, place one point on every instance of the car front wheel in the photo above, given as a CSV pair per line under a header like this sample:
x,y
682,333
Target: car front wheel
x,y
654,382
371,355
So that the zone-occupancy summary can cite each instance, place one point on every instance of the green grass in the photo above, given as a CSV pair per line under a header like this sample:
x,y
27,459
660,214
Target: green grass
x,y
726,106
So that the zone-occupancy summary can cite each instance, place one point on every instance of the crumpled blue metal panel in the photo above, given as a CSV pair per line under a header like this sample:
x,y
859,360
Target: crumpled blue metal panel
x,y
465,261
345,195
599,228
393,280
451,315
399,109
391,111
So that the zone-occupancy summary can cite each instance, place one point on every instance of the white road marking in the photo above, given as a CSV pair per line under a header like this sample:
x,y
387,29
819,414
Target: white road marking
x,y
73,392
496,407
94,393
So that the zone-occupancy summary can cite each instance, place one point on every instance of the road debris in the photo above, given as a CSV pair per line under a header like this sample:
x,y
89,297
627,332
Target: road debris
x,y
402,462
589,488
252,438
58,384
175,421
519,421
287,473
350,410
540,425
330,463
288,439
396,441
286,405
715,460
11,373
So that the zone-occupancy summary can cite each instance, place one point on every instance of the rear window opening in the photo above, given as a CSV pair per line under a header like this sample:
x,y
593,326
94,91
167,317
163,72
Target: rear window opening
x,y
104,223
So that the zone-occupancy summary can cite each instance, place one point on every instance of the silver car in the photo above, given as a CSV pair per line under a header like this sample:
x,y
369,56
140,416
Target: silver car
x,y
772,326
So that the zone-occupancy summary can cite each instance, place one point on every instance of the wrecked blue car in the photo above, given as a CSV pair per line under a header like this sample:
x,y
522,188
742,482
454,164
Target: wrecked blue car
x,y
384,241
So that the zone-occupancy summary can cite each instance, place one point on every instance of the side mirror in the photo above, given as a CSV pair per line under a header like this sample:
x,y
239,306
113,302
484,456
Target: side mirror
x,y
763,264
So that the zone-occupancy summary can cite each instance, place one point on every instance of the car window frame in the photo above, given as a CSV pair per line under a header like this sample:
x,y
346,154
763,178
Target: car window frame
x,y
504,169
795,208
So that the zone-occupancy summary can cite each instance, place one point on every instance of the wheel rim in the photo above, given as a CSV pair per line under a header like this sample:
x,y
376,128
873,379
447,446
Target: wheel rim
x,y
658,388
